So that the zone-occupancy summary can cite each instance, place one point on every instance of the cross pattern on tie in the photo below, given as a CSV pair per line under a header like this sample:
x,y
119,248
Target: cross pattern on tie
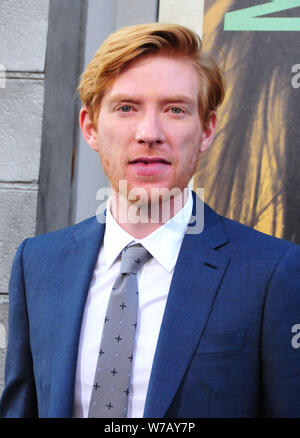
x,y
109,398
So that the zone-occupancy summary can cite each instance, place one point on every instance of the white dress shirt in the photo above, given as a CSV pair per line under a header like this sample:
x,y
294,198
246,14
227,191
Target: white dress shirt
x,y
154,281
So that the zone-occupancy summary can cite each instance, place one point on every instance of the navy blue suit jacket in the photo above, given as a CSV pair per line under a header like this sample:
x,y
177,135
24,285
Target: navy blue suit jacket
x,y
225,345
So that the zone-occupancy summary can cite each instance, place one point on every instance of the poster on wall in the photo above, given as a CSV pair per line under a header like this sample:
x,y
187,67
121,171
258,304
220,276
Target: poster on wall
x,y
252,171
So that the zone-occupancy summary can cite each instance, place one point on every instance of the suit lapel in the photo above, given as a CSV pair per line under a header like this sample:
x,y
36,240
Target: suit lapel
x,y
75,266
197,276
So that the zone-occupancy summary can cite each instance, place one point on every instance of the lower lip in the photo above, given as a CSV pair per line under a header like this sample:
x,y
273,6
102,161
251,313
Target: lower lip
x,y
149,169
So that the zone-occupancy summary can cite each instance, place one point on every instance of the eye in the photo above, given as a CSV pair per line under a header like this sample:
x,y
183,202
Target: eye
x,y
125,109
176,110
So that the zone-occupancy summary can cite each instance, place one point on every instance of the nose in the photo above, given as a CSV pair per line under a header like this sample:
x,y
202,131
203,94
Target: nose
x,y
149,130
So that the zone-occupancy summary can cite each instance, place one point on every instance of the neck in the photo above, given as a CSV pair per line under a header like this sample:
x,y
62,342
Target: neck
x,y
140,219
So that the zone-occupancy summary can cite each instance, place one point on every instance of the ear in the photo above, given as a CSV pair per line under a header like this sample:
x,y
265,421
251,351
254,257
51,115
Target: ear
x,y
87,128
209,132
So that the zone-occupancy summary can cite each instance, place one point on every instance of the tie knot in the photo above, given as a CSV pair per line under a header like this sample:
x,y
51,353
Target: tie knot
x,y
133,257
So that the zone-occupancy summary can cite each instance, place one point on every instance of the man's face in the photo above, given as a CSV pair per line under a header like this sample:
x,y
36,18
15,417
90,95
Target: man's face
x,y
148,131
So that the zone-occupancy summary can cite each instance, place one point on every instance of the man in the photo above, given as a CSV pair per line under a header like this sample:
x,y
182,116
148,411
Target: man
x,y
217,309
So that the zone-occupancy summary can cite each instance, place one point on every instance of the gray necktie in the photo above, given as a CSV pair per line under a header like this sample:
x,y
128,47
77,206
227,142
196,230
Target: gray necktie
x,y
110,391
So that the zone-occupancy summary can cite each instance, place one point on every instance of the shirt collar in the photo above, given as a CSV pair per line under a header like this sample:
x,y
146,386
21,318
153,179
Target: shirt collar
x,y
163,244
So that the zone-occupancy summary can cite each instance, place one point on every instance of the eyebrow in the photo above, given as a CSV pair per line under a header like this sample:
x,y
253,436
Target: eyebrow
x,y
121,97
180,98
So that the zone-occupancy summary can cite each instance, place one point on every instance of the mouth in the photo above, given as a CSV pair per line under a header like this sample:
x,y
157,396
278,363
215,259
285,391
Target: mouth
x,y
149,160
149,166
